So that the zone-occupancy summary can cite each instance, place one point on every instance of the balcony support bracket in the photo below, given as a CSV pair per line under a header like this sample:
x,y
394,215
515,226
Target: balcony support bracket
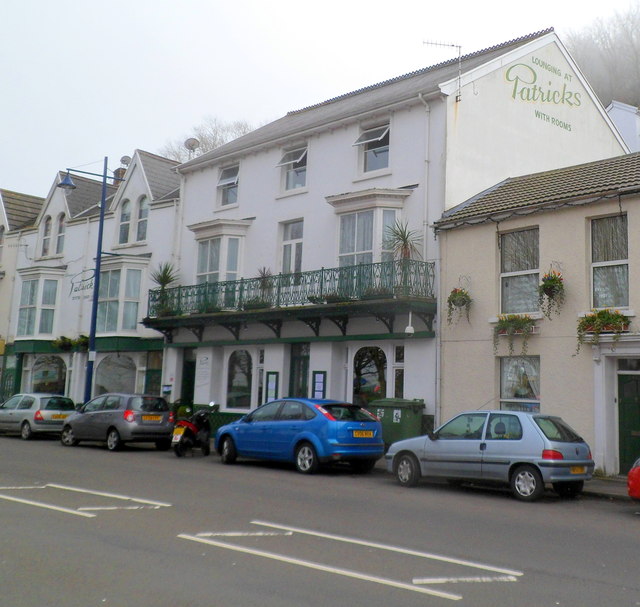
x,y
341,322
426,318
197,331
233,328
275,325
313,324
387,319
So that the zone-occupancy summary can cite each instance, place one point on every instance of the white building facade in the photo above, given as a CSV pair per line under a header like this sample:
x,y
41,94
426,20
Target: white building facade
x,y
288,283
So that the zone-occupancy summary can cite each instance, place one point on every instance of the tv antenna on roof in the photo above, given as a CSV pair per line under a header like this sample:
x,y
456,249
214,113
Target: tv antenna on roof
x,y
459,47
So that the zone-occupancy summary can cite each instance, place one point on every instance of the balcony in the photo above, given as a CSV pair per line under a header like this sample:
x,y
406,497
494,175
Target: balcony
x,y
379,289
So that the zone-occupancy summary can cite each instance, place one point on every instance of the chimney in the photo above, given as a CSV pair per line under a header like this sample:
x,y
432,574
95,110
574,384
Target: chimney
x,y
118,175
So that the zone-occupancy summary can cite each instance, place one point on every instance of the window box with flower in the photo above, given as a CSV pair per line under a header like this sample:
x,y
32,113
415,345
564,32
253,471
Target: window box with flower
x,y
512,325
598,322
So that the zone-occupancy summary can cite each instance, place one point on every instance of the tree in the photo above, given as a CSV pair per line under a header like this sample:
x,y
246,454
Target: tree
x,y
608,52
211,134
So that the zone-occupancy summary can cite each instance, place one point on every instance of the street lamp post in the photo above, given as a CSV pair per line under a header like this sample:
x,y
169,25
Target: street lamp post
x,y
67,184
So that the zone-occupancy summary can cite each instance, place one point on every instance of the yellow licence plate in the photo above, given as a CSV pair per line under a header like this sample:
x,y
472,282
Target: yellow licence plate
x,y
151,418
577,469
363,434
179,431
59,416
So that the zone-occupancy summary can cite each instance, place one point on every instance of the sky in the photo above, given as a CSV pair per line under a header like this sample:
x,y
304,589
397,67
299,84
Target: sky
x,y
82,79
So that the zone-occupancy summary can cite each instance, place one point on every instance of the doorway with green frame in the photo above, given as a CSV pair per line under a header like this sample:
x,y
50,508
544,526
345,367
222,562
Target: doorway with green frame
x,y
628,420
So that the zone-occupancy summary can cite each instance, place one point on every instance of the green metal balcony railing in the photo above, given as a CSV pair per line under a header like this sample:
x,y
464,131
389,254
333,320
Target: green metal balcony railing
x,y
401,278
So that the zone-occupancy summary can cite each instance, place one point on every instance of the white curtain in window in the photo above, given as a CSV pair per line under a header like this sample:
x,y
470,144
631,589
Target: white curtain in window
x,y
520,377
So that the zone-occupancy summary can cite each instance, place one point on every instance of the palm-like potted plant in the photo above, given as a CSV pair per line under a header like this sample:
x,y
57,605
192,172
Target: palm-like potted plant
x,y
512,325
606,320
163,276
459,301
551,293
405,245
265,284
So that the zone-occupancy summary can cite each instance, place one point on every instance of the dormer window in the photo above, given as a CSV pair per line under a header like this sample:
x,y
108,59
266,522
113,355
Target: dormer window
x,y
228,185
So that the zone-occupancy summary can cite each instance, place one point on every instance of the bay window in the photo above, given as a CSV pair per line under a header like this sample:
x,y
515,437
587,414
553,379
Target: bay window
x,y
37,306
364,236
218,259
118,285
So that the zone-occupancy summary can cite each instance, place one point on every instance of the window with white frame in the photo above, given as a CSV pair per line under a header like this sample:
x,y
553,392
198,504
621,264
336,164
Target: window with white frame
x,y
62,224
125,222
118,285
28,308
218,259
228,186
519,271
48,305
374,148
294,168
46,236
609,262
520,383
37,306
363,236
143,217
292,247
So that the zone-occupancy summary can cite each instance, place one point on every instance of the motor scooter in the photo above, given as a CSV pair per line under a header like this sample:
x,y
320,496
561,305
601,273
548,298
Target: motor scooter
x,y
191,433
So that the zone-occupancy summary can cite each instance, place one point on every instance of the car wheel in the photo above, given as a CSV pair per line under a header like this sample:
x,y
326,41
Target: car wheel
x,y
114,442
527,484
407,470
568,489
25,431
67,438
362,466
163,445
228,453
306,459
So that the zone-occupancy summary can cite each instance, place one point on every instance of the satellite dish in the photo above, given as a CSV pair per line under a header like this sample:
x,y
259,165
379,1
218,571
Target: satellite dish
x,y
191,144
125,160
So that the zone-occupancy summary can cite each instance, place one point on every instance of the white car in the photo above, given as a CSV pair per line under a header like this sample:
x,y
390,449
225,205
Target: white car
x,y
38,412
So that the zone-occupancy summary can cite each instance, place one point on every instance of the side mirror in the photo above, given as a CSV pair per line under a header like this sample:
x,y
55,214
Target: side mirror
x,y
432,435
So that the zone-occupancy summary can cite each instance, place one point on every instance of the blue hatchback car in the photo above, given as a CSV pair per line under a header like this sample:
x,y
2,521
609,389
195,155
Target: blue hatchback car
x,y
307,432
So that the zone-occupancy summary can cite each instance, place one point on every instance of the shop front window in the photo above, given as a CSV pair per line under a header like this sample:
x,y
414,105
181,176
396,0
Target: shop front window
x,y
115,374
49,375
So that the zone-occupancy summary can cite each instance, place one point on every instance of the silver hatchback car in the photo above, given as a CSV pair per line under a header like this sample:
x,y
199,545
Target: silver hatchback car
x,y
34,413
121,418
521,450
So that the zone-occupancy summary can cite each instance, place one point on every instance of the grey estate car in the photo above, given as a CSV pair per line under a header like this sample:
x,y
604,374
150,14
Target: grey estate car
x,y
121,418
34,413
521,450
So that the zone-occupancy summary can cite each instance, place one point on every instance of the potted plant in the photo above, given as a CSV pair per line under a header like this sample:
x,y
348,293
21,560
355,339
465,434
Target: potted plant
x,y
458,301
163,277
62,343
378,293
607,320
81,343
512,325
551,293
404,244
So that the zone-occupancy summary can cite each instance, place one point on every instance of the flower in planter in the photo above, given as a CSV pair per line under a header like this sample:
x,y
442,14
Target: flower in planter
x,y
607,320
511,325
458,300
551,293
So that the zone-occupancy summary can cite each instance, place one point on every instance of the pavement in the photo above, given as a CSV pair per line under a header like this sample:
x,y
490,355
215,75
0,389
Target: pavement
x,y
612,487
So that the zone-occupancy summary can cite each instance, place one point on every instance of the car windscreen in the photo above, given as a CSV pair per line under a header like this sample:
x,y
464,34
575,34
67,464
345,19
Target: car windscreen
x,y
148,403
558,430
57,403
351,413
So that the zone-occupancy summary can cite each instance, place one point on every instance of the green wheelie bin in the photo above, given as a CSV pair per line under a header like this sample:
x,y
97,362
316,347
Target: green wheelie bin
x,y
401,418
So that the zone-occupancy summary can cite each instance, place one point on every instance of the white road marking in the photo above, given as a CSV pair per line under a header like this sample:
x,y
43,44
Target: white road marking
x,y
243,534
426,555
25,487
320,567
105,494
456,580
48,506
119,508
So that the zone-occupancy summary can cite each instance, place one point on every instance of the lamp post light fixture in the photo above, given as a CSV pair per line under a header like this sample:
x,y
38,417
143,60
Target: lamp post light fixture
x,y
67,184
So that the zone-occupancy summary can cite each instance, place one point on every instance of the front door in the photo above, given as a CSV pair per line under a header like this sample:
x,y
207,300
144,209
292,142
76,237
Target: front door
x,y
628,420
299,371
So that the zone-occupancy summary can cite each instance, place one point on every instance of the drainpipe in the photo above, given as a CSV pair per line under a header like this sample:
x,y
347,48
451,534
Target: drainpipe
x,y
425,230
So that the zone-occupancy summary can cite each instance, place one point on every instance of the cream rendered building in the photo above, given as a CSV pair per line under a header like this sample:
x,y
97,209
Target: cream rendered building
x,y
582,222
